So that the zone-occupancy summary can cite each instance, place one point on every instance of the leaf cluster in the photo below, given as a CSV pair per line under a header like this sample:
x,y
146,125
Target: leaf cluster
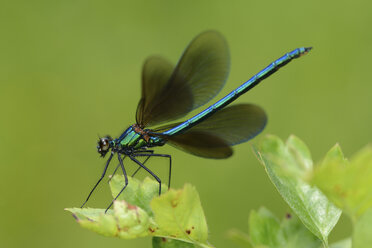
x,y
317,196
174,219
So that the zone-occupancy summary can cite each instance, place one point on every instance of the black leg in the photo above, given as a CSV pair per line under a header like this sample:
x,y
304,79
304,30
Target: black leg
x,y
147,169
126,181
117,167
159,155
103,174
113,173
140,151
144,162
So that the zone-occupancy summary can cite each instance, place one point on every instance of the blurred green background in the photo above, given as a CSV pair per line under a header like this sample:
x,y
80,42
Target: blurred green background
x,y
70,70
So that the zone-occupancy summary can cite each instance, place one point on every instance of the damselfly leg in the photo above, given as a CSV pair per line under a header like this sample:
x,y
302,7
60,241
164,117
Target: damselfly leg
x,y
100,179
158,155
139,167
147,169
125,178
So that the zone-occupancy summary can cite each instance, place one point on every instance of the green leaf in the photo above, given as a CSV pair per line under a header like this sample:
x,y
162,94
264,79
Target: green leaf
x,y
362,236
125,221
347,184
297,235
331,170
300,153
179,214
140,211
240,238
158,242
346,243
137,193
287,165
266,231
334,154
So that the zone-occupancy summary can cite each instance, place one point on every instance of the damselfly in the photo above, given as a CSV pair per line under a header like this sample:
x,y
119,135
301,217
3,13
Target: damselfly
x,y
169,93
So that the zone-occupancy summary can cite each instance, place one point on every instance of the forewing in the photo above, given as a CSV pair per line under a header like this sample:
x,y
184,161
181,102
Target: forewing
x,y
230,126
156,72
199,76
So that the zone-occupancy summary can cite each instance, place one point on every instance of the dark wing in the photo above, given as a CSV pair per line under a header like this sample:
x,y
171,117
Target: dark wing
x,y
156,73
199,75
213,137
166,127
202,144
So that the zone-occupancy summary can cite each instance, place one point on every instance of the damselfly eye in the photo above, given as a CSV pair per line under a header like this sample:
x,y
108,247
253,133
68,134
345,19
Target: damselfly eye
x,y
104,145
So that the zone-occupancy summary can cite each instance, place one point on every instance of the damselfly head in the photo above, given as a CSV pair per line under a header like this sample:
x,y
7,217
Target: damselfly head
x,y
104,145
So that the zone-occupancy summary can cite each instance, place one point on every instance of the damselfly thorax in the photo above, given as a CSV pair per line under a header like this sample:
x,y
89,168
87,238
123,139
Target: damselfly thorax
x,y
133,139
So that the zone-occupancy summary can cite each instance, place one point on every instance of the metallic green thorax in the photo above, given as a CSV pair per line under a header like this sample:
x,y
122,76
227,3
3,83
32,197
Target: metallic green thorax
x,y
135,138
